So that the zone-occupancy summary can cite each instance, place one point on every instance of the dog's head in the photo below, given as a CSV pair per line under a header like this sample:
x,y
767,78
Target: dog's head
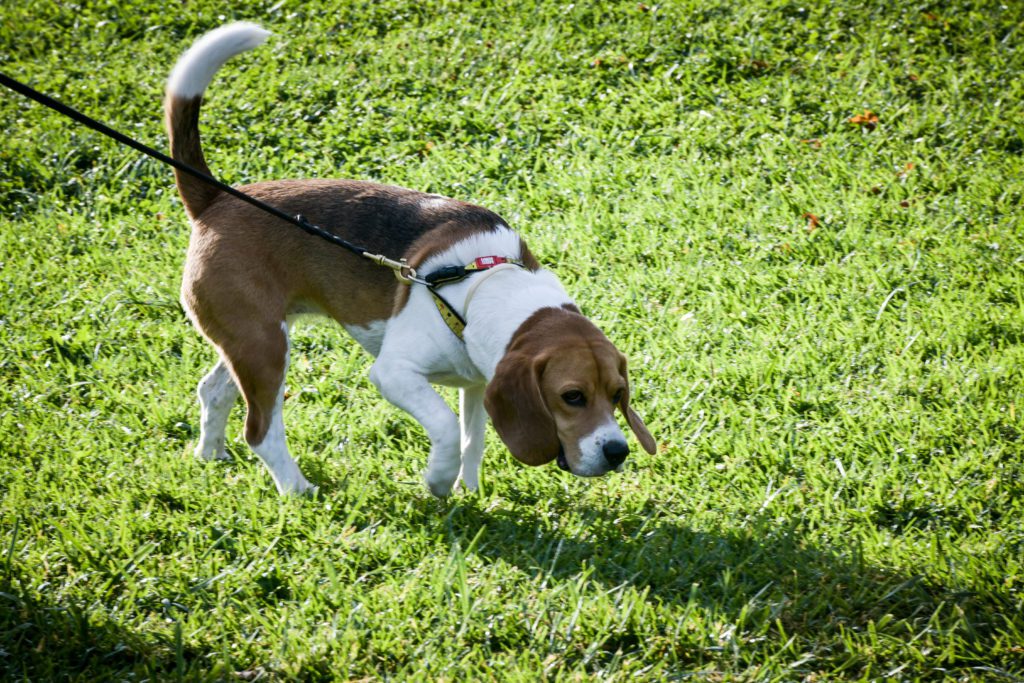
x,y
554,395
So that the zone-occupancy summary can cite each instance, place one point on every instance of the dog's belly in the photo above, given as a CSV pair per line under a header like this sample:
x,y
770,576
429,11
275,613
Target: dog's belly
x,y
447,379
369,336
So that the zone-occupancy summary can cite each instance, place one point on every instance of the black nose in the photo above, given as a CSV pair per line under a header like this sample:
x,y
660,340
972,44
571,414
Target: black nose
x,y
615,452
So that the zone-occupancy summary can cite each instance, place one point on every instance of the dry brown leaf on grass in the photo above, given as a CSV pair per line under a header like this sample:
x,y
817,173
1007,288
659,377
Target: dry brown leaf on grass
x,y
868,119
812,221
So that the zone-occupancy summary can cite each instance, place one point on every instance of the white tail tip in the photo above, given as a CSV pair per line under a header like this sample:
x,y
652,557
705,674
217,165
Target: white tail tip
x,y
195,69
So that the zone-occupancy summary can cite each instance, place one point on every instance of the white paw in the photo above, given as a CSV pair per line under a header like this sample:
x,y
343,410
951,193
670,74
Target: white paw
x,y
471,480
212,453
443,467
298,487
440,484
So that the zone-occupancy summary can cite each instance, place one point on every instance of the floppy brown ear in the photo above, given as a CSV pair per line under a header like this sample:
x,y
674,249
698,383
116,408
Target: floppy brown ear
x,y
518,412
632,419
640,429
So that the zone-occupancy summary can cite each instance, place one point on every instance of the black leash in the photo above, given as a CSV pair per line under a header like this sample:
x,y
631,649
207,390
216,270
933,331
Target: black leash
x,y
402,270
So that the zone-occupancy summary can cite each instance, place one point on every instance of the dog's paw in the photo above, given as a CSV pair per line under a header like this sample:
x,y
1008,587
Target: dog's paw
x,y
301,489
439,486
440,490
442,471
212,454
470,482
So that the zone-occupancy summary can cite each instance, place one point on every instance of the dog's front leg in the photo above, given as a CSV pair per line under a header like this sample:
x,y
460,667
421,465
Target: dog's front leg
x,y
401,384
473,422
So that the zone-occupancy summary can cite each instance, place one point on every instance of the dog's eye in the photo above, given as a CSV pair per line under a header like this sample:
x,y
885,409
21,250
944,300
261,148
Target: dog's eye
x,y
574,398
617,398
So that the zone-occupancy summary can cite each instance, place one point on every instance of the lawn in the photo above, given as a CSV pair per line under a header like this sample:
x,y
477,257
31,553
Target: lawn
x,y
801,222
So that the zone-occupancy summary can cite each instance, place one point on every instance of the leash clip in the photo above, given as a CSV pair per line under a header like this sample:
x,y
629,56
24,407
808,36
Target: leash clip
x,y
404,273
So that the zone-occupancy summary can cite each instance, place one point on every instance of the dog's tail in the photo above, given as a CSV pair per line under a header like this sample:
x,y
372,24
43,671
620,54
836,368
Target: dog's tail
x,y
185,87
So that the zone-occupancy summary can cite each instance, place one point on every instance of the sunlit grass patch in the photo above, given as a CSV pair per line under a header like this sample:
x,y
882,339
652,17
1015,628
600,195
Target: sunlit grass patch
x,y
823,310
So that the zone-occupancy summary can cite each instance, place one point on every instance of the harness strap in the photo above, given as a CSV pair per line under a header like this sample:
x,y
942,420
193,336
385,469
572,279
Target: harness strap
x,y
451,274
455,322
483,278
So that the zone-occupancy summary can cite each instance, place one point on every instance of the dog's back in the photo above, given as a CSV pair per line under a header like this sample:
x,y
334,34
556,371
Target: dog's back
x,y
228,235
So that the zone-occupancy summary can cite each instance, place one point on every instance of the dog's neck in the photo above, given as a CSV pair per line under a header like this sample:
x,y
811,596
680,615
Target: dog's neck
x,y
500,306
502,302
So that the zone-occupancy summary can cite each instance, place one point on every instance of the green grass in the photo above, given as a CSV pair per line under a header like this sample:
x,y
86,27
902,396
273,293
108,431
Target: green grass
x,y
839,489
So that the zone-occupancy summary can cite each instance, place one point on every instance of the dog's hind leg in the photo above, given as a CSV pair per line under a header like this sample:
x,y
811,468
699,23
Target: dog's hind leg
x,y
217,394
260,371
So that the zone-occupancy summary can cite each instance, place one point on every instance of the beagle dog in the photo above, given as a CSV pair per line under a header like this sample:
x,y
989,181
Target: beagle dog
x,y
547,377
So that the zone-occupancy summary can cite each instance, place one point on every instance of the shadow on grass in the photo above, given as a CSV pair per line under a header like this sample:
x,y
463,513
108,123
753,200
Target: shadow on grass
x,y
49,642
759,571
